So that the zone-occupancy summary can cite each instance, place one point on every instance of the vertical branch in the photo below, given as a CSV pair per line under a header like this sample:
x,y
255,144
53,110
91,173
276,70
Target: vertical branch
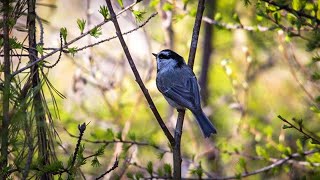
x,y
6,91
178,131
207,51
137,76
36,84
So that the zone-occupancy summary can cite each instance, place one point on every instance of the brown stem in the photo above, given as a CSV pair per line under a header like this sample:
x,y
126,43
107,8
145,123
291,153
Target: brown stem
x,y
178,131
6,91
137,75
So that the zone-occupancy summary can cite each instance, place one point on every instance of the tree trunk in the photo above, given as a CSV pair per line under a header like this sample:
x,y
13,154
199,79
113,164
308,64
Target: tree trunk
x,y
6,91
43,151
207,51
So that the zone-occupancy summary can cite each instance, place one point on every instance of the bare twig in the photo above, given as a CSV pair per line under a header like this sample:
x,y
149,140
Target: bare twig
x,y
137,75
81,129
59,57
230,26
41,30
178,131
115,165
301,129
107,142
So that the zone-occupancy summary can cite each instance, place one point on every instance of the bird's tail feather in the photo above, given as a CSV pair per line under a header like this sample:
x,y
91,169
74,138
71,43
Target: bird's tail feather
x,y
206,126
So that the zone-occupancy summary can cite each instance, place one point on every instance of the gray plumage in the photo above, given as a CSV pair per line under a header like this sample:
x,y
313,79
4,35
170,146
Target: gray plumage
x,y
177,82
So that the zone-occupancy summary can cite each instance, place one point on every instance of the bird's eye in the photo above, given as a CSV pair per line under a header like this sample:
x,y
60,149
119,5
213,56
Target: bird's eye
x,y
161,56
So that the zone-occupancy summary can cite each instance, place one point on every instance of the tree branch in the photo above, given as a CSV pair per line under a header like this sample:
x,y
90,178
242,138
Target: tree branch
x,y
137,75
115,165
178,131
300,129
264,169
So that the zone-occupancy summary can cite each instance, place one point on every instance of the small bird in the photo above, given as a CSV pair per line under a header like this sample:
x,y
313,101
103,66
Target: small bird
x,y
178,84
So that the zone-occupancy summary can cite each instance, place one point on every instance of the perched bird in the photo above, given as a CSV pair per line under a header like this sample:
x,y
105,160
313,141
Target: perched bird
x,y
178,84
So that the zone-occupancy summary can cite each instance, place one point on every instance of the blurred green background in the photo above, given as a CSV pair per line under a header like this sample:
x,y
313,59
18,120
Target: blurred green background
x,y
253,76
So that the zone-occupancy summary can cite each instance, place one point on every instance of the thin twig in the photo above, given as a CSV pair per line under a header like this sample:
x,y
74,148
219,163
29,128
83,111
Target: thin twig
x,y
81,129
115,165
59,57
178,131
300,129
106,142
137,75
230,26
113,37
41,30
264,169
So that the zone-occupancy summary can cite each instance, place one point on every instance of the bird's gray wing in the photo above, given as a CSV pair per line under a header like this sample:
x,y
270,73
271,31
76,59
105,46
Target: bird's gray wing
x,y
185,94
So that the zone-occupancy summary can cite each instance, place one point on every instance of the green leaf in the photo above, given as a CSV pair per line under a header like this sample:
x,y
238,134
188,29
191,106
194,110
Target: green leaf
x,y
120,3
150,168
64,33
39,49
315,58
138,176
160,171
96,32
218,17
104,12
287,151
198,171
109,134
314,41
286,126
315,109
160,155
262,152
95,162
53,167
167,169
167,6
100,151
298,4
243,163
14,43
299,145
236,18
277,16
315,76
119,135
138,15
72,50
132,136
154,3
81,25
129,175
246,2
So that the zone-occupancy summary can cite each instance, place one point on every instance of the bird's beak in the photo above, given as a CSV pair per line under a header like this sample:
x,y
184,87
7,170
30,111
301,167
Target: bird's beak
x,y
155,55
